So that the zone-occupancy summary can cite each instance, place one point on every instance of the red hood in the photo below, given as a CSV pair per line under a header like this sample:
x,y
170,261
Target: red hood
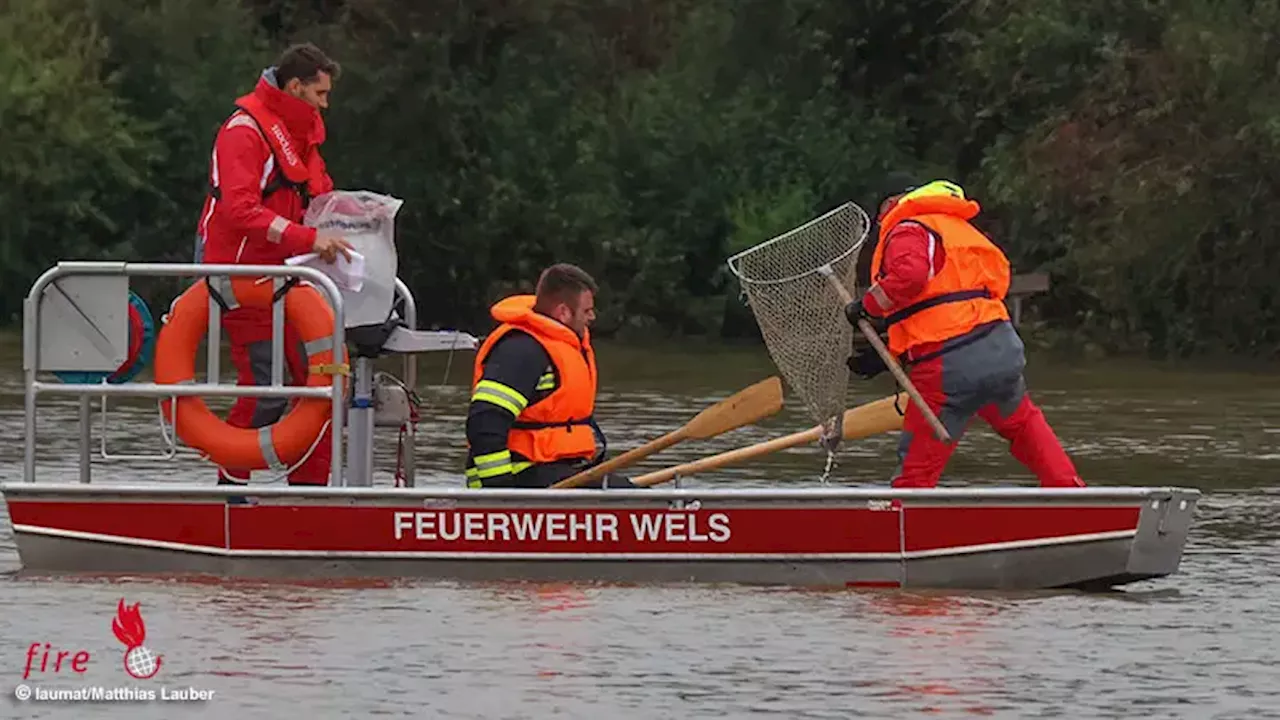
x,y
303,121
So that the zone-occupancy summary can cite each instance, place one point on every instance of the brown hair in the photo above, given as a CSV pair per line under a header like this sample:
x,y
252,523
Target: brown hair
x,y
305,62
563,283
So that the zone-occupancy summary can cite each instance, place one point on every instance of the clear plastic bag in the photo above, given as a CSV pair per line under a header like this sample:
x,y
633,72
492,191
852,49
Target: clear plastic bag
x,y
368,221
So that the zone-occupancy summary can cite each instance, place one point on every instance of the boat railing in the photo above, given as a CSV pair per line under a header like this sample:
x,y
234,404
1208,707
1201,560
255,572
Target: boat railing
x,y
93,297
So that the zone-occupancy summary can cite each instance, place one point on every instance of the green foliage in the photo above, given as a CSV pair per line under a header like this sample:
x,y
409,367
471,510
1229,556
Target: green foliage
x,y
69,150
1156,195
178,66
1123,146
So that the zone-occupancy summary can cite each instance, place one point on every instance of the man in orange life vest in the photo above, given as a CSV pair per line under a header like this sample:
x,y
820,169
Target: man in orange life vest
x,y
530,421
265,168
939,286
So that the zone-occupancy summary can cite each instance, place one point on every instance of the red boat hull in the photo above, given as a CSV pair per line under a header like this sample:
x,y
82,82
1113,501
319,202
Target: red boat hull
x,y
990,538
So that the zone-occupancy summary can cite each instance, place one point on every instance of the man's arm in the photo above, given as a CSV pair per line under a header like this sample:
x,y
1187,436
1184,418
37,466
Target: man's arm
x,y
240,157
506,387
912,255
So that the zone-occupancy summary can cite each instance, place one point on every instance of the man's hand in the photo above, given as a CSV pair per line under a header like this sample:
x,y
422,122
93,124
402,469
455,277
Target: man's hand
x,y
855,311
866,363
329,246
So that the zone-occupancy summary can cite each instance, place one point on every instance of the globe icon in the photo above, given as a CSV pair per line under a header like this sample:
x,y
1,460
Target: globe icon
x,y
140,662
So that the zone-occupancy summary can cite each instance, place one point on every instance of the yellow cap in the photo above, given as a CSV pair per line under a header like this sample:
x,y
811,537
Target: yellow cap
x,y
937,187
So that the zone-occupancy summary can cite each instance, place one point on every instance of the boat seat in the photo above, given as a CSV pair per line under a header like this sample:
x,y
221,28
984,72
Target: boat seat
x,y
392,400
408,342
368,340
394,336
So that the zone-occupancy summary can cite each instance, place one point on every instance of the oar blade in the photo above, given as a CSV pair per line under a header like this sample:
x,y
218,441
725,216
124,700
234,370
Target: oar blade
x,y
747,406
873,418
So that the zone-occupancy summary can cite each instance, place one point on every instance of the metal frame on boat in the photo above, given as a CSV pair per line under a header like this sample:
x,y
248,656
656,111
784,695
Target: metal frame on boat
x,y
1014,538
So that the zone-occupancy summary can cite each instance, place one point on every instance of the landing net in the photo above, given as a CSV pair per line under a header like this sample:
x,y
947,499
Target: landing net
x,y
800,313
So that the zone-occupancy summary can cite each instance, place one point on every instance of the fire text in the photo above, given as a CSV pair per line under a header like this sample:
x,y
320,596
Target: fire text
x,y
50,659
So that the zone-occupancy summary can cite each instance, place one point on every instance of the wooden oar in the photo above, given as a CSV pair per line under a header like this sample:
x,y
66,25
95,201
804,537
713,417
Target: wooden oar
x,y
863,421
743,408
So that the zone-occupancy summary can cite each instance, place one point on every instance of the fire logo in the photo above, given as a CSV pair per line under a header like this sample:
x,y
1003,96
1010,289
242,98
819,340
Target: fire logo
x,y
129,629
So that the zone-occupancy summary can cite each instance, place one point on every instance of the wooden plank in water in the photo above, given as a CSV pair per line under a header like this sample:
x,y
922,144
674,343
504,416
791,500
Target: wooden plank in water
x,y
1029,284
1020,286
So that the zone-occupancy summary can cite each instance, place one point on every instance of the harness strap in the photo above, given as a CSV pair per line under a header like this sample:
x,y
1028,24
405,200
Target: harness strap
x,y
216,295
275,183
218,285
285,287
944,298
953,344
526,425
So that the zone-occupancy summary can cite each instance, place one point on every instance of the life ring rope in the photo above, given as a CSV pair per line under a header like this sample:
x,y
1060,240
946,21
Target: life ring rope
x,y
286,470
171,441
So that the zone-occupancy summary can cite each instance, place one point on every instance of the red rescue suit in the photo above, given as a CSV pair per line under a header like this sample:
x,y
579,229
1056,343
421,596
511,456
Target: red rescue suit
x,y
265,168
941,284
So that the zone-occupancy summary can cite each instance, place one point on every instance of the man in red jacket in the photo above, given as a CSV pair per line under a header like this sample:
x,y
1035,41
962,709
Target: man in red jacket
x,y
266,167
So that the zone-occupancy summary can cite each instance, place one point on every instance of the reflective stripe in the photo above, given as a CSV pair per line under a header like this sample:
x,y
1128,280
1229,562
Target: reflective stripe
x,y
213,201
493,472
498,394
221,284
267,167
275,231
933,246
498,463
318,345
880,297
269,449
546,382
242,119
475,475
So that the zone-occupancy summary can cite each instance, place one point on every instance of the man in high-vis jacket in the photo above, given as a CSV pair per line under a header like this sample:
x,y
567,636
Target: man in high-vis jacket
x,y
530,423
265,168
938,287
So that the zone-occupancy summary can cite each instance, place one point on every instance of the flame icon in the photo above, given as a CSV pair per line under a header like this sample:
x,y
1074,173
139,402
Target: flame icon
x,y
129,629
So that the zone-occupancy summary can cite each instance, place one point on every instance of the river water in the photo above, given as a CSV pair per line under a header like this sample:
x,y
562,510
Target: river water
x,y
1199,644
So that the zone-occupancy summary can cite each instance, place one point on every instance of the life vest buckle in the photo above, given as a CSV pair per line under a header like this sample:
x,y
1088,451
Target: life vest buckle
x,y
331,369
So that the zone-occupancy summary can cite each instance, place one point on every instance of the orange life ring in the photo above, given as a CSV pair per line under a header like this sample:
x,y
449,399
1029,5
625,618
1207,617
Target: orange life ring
x,y
306,310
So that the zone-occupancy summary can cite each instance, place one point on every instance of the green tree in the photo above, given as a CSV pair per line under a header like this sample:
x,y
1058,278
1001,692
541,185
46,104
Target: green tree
x,y
70,153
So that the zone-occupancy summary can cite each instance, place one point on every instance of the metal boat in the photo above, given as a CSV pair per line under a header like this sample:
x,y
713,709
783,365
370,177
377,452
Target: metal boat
x,y
75,321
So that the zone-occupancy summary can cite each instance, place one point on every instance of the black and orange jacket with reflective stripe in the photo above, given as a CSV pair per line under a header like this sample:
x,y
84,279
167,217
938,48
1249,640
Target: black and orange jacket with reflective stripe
x,y
558,426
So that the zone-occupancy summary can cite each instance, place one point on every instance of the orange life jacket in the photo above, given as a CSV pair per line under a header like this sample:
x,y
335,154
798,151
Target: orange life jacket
x,y
557,427
967,292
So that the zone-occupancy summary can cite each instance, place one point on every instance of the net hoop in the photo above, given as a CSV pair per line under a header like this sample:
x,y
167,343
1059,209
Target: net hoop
x,y
735,260
790,283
